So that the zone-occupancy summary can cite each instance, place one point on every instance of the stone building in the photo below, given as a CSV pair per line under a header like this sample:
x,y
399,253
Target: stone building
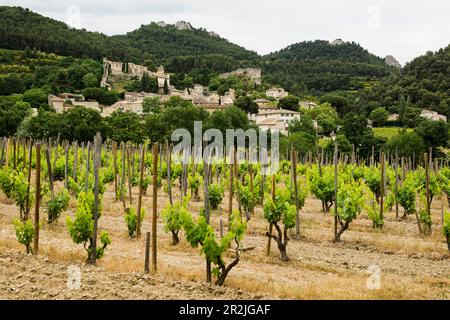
x,y
65,101
266,105
309,105
253,74
277,93
275,119
114,68
433,115
125,106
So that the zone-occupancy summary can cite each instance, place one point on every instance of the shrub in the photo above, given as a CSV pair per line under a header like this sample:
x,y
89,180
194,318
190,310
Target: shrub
x,y
446,228
203,235
279,211
20,193
173,217
246,199
131,220
323,186
407,196
215,195
81,229
25,233
7,181
57,205
194,182
349,204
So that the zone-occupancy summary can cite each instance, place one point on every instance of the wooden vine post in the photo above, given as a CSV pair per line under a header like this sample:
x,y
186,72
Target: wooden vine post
x,y
38,198
141,189
88,161
155,199
427,185
129,174
207,212
236,174
50,172
335,162
114,147
147,254
269,240
169,172
252,191
396,182
230,194
97,162
7,152
122,178
382,187
297,201
66,166
30,167
75,161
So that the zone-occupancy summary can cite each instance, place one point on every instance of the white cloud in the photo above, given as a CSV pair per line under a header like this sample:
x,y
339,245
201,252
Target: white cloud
x,y
402,28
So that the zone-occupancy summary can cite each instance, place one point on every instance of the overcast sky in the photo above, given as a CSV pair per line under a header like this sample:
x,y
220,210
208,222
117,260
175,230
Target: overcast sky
x,y
403,28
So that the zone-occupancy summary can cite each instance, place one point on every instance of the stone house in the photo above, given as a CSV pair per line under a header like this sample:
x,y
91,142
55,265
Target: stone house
x,y
393,117
309,105
276,93
433,115
135,107
61,103
272,124
279,119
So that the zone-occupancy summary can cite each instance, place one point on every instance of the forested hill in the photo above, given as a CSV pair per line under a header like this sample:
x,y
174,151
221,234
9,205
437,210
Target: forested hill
x,y
424,83
166,42
197,56
318,66
21,28
427,79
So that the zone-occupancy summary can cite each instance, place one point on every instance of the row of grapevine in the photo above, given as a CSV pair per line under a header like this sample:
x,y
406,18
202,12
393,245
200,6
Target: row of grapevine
x,y
346,187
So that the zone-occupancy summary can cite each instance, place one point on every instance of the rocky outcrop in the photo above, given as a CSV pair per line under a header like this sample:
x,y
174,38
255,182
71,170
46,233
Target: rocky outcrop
x,y
391,61
161,24
337,42
183,25
213,34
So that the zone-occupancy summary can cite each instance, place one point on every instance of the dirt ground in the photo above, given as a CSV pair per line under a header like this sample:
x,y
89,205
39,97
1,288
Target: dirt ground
x,y
410,266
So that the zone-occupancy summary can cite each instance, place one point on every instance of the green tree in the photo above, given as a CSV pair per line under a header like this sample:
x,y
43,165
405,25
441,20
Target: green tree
x,y
166,87
151,105
407,144
35,97
125,127
379,116
281,214
337,101
246,104
90,80
326,123
80,123
12,113
434,133
303,142
302,124
289,102
102,95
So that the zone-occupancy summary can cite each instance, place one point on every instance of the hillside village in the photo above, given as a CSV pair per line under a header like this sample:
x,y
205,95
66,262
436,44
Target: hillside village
x,y
268,117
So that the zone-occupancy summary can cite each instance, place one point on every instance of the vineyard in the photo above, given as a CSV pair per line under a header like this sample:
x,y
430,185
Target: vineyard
x,y
124,213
